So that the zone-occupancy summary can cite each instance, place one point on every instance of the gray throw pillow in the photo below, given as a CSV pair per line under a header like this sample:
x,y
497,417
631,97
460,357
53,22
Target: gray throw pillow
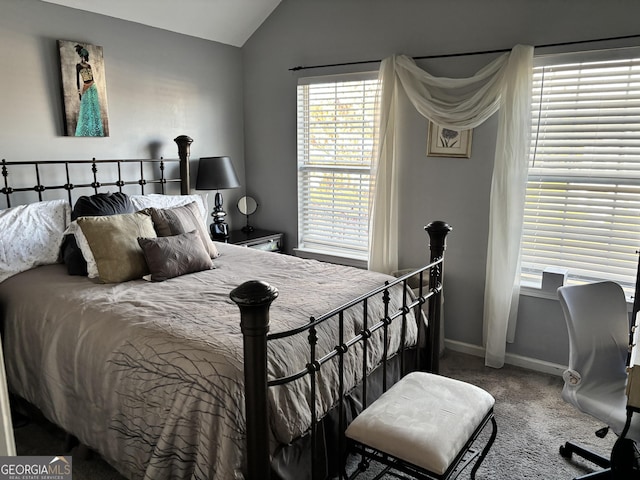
x,y
177,220
169,257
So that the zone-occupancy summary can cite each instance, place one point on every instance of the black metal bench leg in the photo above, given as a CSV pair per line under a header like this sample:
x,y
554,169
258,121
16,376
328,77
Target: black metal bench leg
x,y
486,448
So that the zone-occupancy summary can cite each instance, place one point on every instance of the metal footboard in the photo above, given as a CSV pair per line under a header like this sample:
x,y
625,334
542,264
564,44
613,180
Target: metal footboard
x,y
254,299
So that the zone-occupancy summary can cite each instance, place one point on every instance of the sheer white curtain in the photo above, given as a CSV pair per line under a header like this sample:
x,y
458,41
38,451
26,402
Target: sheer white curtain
x,y
461,103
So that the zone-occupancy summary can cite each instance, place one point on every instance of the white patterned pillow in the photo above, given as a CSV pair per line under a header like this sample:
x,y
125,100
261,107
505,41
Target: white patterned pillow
x,y
30,235
156,200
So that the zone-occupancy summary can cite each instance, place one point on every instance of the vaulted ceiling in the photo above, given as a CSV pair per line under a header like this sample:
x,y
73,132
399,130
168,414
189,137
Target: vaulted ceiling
x,y
226,21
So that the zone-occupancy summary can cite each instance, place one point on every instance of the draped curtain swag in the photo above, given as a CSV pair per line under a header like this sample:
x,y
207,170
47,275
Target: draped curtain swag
x,y
463,103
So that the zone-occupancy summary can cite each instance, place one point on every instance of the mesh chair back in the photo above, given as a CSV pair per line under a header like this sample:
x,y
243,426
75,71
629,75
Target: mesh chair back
x,y
598,327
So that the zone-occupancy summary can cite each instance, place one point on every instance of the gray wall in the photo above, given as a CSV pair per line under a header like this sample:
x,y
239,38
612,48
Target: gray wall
x,y
308,32
159,85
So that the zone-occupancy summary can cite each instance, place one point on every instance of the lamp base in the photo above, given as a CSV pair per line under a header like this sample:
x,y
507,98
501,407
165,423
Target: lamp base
x,y
219,231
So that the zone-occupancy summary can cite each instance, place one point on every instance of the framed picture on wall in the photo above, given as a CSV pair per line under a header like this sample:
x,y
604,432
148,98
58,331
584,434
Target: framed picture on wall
x,y
445,142
84,89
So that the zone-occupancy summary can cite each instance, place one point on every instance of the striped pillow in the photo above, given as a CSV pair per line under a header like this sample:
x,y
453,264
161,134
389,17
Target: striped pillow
x,y
178,220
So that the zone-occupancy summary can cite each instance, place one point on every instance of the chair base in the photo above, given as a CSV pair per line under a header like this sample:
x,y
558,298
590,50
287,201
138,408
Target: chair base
x,y
605,474
569,448
623,463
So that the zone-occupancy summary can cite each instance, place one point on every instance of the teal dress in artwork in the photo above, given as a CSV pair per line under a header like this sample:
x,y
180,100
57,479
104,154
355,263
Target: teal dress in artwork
x,y
89,119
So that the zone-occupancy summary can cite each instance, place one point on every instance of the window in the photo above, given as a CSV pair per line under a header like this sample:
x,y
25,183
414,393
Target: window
x,y
336,125
582,209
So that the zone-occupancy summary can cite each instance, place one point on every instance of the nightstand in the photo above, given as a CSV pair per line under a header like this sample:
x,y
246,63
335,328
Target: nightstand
x,y
258,239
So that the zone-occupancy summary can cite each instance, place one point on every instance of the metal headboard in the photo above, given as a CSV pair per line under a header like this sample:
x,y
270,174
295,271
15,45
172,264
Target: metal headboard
x,y
97,166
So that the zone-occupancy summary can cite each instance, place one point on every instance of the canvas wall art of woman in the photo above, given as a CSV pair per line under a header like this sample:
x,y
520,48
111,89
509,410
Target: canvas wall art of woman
x,y
89,118
84,89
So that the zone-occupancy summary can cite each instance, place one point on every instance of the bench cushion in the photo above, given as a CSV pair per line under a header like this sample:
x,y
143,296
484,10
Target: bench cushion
x,y
424,419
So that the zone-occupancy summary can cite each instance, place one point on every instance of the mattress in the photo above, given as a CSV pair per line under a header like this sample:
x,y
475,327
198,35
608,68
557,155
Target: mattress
x,y
150,375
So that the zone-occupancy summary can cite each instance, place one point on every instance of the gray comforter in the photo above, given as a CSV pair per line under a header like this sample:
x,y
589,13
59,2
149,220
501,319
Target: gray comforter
x,y
150,374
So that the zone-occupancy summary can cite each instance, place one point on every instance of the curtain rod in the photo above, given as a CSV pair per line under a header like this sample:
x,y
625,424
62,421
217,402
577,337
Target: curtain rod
x,y
482,52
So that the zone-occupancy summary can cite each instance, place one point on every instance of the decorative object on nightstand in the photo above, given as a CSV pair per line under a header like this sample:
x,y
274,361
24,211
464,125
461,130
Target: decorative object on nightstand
x,y
247,206
259,239
217,173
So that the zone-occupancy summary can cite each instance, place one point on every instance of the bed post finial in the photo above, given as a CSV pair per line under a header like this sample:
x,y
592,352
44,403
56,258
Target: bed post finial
x,y
254,299
184,150
438,231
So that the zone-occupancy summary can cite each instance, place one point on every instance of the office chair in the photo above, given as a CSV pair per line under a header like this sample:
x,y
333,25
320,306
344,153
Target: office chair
x,y
598,325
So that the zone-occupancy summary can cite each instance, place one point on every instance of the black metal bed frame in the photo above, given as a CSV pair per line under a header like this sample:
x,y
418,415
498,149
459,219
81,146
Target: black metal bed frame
x,y
183,142
254,299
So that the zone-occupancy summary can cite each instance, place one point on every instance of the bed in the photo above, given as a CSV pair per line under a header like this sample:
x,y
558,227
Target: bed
x,y
206,374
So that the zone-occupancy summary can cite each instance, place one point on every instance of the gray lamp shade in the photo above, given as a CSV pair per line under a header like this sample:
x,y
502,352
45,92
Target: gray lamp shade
x,y
216,173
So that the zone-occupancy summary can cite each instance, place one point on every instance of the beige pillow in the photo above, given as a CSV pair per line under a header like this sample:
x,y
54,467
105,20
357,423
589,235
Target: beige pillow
x,y
114,243
183,219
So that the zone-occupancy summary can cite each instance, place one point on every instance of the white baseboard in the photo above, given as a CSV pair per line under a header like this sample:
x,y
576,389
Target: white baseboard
x,y
510,358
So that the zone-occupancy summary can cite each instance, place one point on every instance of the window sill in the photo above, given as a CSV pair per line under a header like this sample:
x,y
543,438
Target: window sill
x,y
527,291
331,257
538,293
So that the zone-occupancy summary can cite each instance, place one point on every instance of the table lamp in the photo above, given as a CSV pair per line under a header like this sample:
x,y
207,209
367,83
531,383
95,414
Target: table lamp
x,y
217,173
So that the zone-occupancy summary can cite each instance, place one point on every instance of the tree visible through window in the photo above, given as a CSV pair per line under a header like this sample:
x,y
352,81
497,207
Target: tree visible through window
x,y
336,125
582,208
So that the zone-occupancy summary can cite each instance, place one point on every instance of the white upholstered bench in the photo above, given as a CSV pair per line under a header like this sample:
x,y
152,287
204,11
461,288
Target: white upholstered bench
x,y
425,425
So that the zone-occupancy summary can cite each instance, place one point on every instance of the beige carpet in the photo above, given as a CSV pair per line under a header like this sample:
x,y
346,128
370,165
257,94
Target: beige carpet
x,y
533,422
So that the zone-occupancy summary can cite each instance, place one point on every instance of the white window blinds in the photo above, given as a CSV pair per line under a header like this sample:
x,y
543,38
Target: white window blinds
x,y
336,123
582,208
